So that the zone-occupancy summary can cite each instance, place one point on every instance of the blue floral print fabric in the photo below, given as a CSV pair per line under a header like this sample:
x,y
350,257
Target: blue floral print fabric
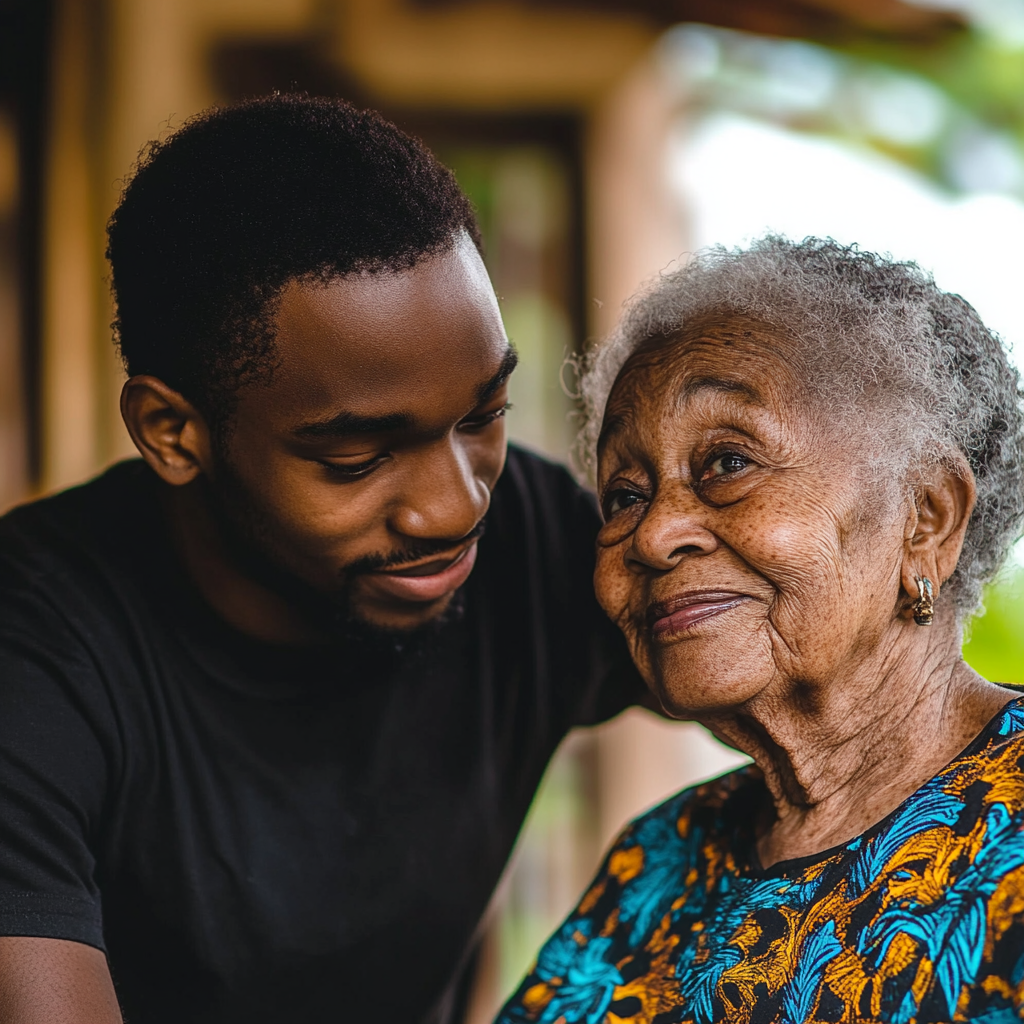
x,y
920,919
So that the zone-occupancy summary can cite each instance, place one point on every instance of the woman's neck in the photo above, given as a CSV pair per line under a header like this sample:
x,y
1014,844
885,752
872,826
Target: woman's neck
x,y
838,756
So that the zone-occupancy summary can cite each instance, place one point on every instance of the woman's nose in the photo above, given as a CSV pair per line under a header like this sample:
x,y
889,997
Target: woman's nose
x,y
442,497
673,528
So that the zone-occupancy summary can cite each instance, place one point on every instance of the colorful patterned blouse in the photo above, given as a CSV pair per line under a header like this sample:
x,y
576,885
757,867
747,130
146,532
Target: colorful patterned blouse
x,y
919,919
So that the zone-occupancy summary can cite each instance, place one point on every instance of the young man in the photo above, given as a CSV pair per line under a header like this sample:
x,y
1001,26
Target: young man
x,y
275,698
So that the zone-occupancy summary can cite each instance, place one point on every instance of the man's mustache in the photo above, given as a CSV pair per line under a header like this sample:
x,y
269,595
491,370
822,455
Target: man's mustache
x,y
414,553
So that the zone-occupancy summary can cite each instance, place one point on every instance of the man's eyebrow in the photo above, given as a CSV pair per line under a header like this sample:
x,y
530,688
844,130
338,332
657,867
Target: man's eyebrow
x,y
348,424
486,391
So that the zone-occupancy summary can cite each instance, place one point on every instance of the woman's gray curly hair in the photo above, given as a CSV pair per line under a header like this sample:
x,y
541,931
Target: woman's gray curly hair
x,y
880,341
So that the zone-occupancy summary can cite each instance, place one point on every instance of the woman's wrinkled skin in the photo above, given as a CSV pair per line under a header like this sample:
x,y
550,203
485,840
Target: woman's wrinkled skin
x,y
765,579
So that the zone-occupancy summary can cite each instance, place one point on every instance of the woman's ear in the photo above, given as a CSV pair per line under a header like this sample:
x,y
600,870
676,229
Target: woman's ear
x,y
170,433
935,536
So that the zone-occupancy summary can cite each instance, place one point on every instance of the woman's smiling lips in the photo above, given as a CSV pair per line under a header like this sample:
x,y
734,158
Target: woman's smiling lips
x,y
679,613
426,581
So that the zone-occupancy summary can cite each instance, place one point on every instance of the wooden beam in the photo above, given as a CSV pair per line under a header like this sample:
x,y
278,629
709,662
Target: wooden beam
x,y
822,20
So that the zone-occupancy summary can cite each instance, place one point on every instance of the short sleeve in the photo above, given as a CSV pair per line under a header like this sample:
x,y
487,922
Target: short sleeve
x,y
55,767
584,971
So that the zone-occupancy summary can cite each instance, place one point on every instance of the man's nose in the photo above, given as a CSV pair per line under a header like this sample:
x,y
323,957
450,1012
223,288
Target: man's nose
x,y
442,497
673,527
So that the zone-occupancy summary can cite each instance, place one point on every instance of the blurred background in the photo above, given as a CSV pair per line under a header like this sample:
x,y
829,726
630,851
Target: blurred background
x,y
600,141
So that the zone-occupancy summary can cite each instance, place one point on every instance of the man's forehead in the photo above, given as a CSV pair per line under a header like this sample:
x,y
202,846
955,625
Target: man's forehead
x,y
377,338
435,288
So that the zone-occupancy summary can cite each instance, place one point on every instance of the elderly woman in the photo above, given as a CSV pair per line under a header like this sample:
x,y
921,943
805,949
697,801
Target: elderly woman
x,y
809,462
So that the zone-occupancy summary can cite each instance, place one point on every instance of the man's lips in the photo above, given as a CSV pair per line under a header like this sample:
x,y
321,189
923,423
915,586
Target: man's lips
x,y
679,613
425,581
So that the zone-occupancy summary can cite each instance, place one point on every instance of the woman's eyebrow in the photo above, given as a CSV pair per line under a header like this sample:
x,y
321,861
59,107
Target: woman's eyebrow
x,y
721,384
614,423
611,426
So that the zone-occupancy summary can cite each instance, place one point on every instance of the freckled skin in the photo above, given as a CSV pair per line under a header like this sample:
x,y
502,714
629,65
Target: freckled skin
x,y
784,532
722,481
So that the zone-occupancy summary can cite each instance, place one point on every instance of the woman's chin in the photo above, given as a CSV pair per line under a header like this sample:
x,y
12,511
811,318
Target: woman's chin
x,y
690,687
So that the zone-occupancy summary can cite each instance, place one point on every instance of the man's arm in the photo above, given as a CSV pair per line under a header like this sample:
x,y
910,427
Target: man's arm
x,y
57,757
54,981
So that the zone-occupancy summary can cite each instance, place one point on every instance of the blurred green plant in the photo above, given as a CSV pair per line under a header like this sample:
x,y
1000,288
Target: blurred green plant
x,y
952,110
995,645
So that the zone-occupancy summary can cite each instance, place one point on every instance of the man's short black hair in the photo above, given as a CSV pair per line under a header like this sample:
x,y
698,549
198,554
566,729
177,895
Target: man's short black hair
x,y
241,200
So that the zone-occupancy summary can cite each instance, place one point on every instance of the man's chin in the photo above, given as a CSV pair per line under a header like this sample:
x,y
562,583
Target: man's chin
x,y
358,610
404,618
397,629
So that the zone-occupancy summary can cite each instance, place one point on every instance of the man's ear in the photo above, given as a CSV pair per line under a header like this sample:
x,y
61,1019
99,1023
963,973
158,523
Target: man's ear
x,y
944,503
170,433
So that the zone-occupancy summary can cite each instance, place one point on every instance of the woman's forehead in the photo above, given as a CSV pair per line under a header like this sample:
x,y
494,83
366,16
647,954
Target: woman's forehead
x,y
737,354
736,371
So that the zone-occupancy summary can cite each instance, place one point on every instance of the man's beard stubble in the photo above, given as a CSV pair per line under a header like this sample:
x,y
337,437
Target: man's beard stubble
x,y
247,533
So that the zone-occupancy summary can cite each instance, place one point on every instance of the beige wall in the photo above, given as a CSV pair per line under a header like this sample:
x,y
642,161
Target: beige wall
x,y
635,226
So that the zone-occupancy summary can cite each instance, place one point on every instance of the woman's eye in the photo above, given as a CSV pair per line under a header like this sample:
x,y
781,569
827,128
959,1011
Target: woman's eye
x,y
724,464
619,500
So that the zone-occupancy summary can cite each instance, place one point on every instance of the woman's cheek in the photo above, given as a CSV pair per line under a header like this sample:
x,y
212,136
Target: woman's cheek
x,y
620,594
797,558
613,583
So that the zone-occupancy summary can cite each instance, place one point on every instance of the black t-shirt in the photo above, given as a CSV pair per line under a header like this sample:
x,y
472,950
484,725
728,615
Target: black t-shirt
x,y
268,834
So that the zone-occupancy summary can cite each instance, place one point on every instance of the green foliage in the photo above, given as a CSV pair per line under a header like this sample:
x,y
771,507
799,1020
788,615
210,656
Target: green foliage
x,y
996,645
952,110
977,70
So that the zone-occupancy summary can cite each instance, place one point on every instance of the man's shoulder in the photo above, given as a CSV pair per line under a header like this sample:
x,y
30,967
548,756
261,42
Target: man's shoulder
x,y
529,467
94,520
73,582
543,491
533,585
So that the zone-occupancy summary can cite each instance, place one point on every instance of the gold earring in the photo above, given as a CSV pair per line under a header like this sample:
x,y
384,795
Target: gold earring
x,y
924,606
